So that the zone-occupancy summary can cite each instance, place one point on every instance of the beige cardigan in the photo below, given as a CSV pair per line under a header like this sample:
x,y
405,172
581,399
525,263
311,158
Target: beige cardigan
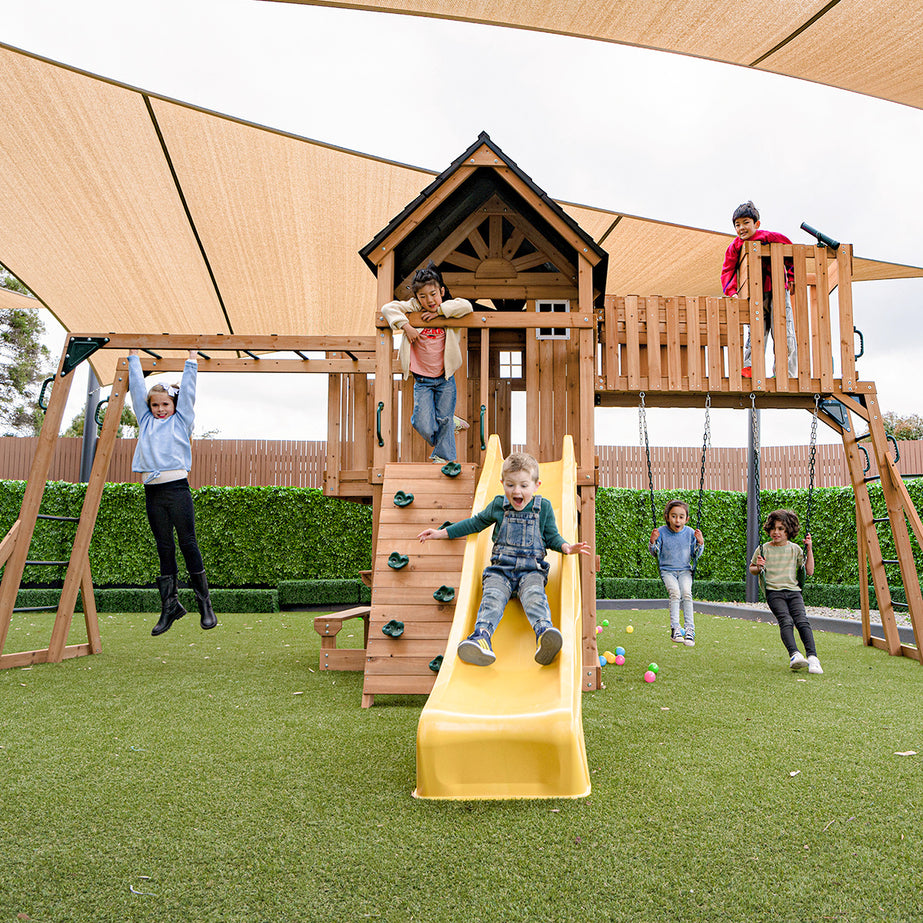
x,y
395,313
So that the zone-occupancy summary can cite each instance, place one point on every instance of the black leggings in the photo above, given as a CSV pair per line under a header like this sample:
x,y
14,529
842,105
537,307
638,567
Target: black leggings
x,y
788,608
169,507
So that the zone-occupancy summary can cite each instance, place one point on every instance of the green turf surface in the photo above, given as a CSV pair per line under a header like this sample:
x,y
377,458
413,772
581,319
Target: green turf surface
x,y
225,778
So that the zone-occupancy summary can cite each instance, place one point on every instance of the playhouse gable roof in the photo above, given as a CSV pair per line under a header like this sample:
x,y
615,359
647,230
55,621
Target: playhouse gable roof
x,y
483,179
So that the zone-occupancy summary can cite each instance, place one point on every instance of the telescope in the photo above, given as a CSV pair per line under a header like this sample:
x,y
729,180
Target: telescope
x,y
822,239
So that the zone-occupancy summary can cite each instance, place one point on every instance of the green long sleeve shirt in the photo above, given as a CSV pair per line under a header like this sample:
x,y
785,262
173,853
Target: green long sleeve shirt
x,y
493,515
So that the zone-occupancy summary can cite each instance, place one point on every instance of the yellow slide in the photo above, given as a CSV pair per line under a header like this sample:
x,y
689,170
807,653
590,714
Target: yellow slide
x,y
513,729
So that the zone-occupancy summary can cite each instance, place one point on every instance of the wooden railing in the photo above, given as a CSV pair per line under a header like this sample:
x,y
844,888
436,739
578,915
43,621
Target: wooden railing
x,y
684,343
241,462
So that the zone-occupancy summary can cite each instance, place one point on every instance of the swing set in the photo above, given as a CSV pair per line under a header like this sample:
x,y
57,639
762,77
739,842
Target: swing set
x,y
537,280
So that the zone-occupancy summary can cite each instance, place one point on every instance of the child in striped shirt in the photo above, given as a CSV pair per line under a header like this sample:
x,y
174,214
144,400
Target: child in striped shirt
x,y
778,564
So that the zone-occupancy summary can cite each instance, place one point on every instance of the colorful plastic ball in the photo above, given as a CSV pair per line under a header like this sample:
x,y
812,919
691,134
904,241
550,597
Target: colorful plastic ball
x,y
602,660
620,650
630,629
605,623
650,676
653,668
599,629
620,659
610,657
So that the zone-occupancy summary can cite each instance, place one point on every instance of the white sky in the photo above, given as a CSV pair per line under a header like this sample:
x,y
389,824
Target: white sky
x,y
645,133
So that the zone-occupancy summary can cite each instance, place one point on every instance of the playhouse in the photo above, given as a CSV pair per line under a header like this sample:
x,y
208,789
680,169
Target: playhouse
x,y
543,327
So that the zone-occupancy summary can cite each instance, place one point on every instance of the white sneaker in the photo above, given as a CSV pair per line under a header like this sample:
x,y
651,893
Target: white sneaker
x,y
814,664
798,662
689,638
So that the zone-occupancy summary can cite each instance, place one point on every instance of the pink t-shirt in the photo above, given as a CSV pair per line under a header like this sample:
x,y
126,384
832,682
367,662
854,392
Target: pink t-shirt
x,y
427,352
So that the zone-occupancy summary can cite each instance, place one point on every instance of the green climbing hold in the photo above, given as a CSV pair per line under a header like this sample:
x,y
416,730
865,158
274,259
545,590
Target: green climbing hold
x,y
435,663
451,469
445,594
393,629
397,560
401,498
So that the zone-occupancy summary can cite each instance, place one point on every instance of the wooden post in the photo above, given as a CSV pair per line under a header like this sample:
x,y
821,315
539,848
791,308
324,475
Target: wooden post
x,y
32,498
78,565
755,296
847,341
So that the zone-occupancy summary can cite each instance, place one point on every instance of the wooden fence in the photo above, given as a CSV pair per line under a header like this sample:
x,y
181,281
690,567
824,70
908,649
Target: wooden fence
x,y
300,463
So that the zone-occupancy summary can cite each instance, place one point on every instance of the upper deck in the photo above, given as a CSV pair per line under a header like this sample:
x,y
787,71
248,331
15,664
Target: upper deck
x,y
675,348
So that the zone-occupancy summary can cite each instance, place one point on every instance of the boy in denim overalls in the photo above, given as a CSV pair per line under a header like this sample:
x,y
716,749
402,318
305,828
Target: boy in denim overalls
x,y
524,527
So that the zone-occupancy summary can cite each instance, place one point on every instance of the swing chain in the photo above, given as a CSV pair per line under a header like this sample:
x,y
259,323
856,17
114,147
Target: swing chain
x,y
642,436
813,456
706,443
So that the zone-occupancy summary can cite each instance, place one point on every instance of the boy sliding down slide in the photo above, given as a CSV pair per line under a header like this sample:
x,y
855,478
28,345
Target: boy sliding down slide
x,y
524,526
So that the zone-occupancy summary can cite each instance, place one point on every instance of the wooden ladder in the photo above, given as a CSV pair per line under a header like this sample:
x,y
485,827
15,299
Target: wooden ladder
x,y
900,512
401,665
14,548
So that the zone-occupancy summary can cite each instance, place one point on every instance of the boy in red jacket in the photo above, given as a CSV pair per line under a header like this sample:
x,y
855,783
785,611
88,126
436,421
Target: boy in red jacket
x,y
747,225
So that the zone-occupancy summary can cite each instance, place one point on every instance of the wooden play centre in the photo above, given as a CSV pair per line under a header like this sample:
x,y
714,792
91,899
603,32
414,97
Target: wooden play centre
x,y
545,339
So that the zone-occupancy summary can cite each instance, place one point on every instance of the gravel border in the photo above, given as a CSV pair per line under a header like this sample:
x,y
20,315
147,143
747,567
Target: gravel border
x,y
840,621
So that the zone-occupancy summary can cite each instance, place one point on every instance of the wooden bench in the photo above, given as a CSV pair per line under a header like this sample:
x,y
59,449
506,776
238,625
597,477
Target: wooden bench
x,y
328,627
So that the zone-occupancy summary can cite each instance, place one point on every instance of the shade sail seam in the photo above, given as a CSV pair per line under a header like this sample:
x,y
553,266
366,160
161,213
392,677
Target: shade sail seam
x,y
796,33
609,230
185,204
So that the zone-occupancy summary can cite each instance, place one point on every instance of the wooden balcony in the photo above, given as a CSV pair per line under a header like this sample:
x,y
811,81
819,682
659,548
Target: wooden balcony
x,y
676,348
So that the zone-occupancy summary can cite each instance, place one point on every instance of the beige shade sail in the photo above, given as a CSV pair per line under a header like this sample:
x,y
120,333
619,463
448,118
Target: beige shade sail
x,y
126,212
867,46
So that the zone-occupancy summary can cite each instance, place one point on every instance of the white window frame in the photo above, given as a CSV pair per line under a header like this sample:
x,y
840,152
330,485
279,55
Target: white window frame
x,y
556,305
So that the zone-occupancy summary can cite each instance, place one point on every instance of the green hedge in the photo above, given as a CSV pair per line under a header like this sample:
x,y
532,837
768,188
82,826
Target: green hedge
x,y
142,599
282,536
323,592
832,595
249,536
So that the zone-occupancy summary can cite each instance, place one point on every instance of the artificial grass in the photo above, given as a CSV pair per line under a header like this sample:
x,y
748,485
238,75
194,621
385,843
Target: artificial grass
x,y
219,775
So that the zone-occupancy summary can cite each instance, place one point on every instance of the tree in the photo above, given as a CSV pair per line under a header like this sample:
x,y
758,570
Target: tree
x,y
903,427
24,363
128,424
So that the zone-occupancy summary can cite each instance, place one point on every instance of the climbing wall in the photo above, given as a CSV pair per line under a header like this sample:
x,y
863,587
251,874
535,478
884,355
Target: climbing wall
x,y
398,662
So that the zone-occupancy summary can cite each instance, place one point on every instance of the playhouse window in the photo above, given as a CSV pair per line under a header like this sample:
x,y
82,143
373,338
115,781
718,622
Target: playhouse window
x,y
511,364
553,333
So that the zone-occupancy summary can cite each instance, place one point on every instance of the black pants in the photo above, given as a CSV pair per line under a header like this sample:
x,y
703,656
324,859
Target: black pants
x,y
788,608
169,507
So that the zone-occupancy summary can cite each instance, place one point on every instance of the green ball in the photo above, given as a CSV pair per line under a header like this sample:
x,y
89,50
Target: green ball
x,y
605,623
653,667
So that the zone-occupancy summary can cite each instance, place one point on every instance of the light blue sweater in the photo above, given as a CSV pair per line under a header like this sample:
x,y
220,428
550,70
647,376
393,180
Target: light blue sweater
x,y
675,551
163,445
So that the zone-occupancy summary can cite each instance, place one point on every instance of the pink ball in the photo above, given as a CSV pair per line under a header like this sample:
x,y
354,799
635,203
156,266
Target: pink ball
x,y
620,659
650,676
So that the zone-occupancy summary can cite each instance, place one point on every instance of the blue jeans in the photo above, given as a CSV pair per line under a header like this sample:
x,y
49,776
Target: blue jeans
x,y
518,566
679,585
434,413
498,588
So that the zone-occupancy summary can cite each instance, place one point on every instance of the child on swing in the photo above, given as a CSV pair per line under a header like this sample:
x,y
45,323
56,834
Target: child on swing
x,y
524,527
677,548
778,564
164,457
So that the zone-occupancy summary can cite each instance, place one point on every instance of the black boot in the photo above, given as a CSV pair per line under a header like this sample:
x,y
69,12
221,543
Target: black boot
x,y
171,608
200,585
